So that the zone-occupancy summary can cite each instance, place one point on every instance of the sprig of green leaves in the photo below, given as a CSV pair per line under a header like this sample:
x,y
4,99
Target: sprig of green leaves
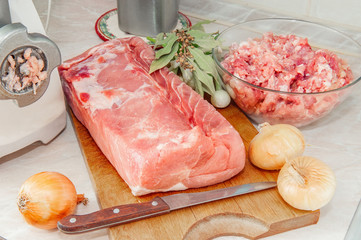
x,y
187,52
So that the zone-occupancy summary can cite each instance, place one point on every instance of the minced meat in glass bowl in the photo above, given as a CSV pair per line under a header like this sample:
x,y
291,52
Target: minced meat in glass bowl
x,y
287,71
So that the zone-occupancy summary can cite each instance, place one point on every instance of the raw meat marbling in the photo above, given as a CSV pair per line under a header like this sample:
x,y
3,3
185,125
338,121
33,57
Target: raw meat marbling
x,y
155,130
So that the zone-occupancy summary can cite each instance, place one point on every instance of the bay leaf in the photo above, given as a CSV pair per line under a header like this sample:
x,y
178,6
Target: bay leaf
x,y
207,64
206,44
204,61
151,40
198,85
199,34
163,38
206,41
204,77
167,47
199,25
163,60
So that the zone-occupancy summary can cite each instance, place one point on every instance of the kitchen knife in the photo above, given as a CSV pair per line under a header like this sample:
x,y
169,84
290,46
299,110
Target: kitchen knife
x,y
112,216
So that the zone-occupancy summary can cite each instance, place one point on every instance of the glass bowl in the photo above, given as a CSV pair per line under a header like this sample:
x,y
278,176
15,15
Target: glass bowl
x,y
282,106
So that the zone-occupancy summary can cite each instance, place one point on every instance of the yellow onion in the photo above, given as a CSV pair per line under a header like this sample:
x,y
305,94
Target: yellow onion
x,y
274,144
47,197
306,183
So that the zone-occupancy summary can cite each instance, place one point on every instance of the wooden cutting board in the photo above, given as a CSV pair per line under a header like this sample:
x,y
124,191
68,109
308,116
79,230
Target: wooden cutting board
x,y
253,215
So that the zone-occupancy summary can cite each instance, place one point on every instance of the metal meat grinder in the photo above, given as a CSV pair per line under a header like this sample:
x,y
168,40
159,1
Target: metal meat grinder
x,y
31,99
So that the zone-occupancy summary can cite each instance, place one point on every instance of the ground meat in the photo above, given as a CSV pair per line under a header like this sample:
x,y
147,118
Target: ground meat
x,y
26,71
284,63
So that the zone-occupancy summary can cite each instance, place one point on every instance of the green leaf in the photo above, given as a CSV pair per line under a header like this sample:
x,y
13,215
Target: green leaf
x,y
168,46
206,44
194,83
204,40
198,87
163,60
158,38
207,64
204,77
162,39
199,25
218,82
188,78
199,34
151,40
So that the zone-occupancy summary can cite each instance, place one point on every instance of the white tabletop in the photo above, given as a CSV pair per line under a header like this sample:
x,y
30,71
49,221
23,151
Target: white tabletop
x,y
335,139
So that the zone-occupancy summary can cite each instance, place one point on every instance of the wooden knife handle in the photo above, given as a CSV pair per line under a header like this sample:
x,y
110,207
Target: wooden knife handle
x,y
113,216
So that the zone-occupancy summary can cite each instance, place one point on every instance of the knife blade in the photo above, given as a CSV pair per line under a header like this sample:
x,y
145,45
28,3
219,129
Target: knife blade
x,y
113,216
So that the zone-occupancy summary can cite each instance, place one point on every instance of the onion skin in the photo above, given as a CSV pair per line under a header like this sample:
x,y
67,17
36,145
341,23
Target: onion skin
x,y
306,183
45,198
274,145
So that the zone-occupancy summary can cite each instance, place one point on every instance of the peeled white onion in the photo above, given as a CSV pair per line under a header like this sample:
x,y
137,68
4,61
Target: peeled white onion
x,y
274,145
306,183
220,99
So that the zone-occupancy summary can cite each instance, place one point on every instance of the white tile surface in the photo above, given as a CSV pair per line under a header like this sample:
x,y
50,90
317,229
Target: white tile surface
x,y
346,12
335,12
335,139
298,8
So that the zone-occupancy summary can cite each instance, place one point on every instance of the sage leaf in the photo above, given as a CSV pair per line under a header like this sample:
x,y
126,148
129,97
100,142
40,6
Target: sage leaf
x,y
163,60
167,48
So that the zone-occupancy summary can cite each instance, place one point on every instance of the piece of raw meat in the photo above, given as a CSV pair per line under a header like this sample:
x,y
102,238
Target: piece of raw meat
x,y
157,132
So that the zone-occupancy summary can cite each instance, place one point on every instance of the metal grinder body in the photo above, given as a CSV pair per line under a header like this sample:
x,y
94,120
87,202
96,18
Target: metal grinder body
x,y
31,99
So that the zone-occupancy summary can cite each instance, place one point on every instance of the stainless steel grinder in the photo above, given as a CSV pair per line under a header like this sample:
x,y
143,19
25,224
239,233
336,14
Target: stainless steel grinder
x,y
147,17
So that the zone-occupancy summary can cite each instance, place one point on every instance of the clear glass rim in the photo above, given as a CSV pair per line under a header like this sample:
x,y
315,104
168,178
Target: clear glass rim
x,y
214,55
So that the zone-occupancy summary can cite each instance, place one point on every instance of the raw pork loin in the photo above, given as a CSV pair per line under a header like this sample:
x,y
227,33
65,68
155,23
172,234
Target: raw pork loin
x,y
155,130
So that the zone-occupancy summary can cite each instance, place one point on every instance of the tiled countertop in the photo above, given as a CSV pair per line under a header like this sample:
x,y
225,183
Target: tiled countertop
x,y
335,139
